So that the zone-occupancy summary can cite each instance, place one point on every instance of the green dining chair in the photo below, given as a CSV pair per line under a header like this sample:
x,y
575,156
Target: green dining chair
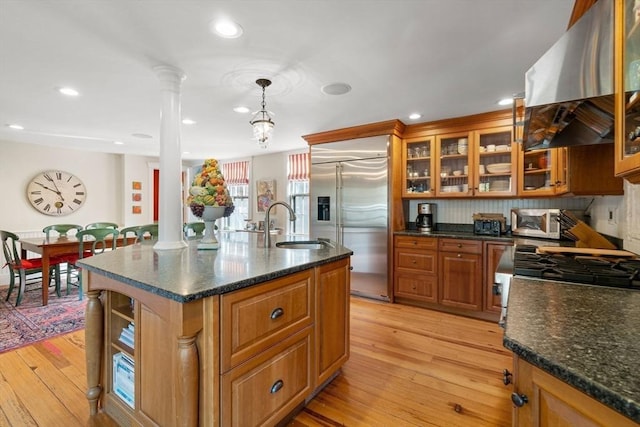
x,y
102,240
61,229
147,230
100,225
193,229
128,233
24,267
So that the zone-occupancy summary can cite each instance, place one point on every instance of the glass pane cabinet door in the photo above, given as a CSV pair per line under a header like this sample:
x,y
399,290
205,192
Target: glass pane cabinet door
x,y
453,169
419,167
495,163
628,141
544,172
537,178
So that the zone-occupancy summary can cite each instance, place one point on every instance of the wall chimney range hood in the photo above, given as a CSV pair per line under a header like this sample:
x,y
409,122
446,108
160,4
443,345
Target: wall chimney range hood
x,y
569,90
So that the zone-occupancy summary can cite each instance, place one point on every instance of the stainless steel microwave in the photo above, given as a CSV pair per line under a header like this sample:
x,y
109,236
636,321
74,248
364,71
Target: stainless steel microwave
x,y
536,223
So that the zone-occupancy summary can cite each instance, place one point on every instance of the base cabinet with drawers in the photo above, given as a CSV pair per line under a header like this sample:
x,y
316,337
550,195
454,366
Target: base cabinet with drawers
x,y
447,274
245,358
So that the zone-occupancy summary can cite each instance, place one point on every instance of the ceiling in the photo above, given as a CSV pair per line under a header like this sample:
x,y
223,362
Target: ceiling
x,y
439,58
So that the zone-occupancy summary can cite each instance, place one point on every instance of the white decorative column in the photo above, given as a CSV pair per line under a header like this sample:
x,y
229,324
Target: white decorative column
x,y
170,195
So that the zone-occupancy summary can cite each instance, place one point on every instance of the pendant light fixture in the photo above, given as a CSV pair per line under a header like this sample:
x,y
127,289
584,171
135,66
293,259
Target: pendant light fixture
x,y
261,121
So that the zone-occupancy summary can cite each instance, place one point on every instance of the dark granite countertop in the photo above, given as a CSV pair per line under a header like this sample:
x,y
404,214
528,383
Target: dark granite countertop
x,y
587,336
456,235
188,274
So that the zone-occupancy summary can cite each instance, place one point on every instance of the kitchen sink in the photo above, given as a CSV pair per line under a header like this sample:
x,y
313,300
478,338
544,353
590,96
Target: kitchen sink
x,y
304,244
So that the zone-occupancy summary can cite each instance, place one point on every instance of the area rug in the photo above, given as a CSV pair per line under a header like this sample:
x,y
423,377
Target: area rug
x,y
31,322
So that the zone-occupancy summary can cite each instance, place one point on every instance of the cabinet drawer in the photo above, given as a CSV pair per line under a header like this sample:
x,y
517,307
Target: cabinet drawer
x,y
416,242
256,318
268,386
464,246
416,286
425,262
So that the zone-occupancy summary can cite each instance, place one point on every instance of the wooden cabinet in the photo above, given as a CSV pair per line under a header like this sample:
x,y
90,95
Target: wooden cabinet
x,y
627,91
460,273
454,275
267,347
417,156
415,272
542,172
332,319
454,168
552,402
495,165
570,170
492,253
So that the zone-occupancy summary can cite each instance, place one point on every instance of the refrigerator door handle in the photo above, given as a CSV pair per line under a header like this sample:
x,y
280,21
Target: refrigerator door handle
x,y
339,225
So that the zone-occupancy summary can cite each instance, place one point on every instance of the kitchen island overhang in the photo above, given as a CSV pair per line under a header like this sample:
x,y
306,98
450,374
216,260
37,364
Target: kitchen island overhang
x,y
189,310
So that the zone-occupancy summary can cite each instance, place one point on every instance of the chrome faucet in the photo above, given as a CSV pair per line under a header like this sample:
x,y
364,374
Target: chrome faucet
x,y
267,221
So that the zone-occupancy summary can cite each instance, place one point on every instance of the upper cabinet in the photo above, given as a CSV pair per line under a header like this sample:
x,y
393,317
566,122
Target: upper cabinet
x,y
418,158
542,172
627,90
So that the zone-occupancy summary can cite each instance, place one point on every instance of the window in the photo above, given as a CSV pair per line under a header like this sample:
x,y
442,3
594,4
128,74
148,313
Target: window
x,y
236,175
298,190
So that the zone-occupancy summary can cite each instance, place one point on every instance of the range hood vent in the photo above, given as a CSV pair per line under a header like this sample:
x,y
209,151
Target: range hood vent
x,y
569,90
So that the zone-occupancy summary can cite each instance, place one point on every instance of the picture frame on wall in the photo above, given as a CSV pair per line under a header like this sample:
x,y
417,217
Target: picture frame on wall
x,y
136,185
266,193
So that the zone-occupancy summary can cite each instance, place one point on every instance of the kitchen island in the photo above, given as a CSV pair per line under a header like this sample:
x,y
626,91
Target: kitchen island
x,y
244,335
583,336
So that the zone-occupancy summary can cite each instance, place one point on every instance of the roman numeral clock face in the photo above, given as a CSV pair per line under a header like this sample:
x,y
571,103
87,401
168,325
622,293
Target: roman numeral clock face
x,y
56,193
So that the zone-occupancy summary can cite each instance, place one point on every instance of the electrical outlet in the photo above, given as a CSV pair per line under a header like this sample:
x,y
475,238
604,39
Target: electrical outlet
x,y
611,217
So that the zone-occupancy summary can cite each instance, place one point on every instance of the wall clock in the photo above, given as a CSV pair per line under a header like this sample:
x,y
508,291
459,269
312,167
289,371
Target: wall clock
x,y
56,193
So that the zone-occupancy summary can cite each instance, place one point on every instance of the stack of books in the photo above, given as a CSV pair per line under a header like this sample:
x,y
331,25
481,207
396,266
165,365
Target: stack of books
x,y
126,336
124,378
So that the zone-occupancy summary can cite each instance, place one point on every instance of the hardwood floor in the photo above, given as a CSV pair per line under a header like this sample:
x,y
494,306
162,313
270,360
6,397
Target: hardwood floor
x,y
408,367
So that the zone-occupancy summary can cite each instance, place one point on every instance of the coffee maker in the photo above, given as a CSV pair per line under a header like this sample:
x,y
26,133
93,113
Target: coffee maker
x,y
425,221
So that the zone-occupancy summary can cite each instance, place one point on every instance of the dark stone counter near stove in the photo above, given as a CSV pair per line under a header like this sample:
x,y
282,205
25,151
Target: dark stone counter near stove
x,y
588,336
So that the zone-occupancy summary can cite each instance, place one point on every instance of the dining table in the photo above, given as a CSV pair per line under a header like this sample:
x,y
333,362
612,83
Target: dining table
x,y
57,246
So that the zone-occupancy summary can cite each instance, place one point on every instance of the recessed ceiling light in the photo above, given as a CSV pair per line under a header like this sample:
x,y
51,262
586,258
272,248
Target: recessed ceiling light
x,y
225,28
141,135
69,91
188,122
16,127
415,116
335,89
118,142
505,101
241,109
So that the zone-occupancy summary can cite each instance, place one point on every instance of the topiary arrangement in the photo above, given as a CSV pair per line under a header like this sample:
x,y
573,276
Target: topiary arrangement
x,y
209,189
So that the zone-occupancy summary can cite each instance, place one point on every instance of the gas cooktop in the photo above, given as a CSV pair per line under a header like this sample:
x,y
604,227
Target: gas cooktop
x,y
593,270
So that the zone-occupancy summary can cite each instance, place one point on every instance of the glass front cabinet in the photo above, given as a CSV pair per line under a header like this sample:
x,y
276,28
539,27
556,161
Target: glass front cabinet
x,y
627,90
544,172
418,160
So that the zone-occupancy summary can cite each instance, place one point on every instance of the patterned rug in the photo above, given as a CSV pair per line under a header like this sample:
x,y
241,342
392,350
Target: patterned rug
x,y
31,322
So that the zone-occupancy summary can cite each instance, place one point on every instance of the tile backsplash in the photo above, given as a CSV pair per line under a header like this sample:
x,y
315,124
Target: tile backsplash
x,y
461,211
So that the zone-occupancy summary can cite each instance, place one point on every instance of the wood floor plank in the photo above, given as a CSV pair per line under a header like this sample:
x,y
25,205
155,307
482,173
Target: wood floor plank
x,y
47,367
409,367
43,406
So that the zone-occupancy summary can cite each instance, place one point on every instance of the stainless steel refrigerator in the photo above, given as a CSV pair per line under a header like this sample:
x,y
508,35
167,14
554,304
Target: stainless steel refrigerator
x,y
349,194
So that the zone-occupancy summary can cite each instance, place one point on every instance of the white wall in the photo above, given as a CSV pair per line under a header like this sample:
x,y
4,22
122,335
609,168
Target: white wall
x,y
101,173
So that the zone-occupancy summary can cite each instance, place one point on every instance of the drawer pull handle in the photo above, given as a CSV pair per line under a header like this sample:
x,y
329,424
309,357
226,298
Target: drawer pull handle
x,y
413,261
278,312
277,386
459,245
459,255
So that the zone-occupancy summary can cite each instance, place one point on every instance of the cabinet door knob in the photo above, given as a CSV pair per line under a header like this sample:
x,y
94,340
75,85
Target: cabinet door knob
x,y
459,255
459,245
276,386
519,399
278,312
506,377
413,261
